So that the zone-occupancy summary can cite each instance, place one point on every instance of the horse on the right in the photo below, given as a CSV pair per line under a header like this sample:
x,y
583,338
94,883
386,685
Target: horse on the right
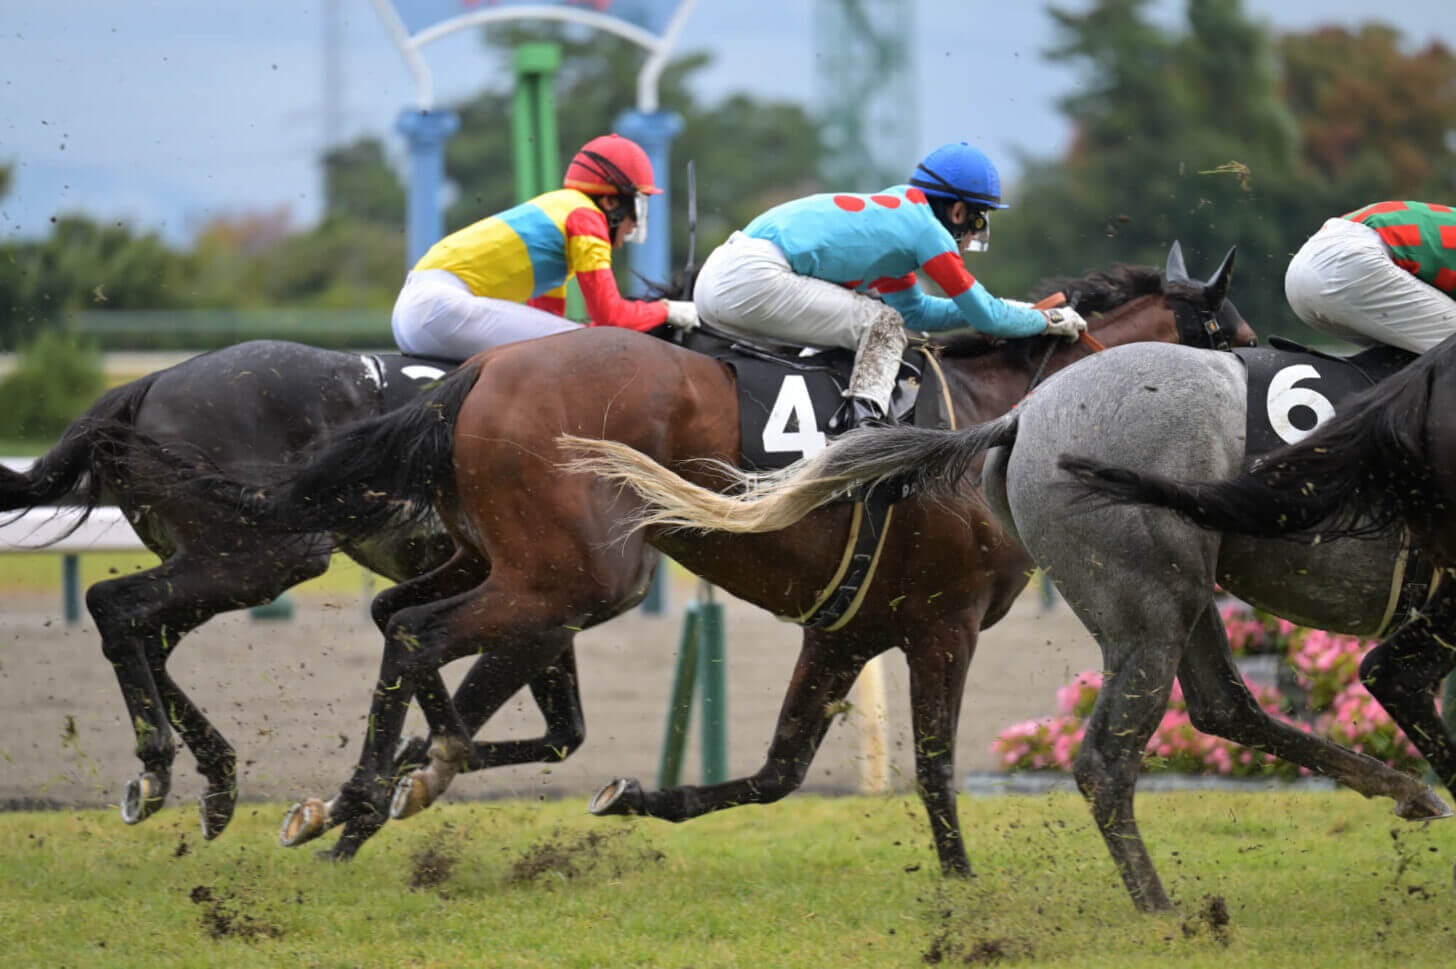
x,y
1386,461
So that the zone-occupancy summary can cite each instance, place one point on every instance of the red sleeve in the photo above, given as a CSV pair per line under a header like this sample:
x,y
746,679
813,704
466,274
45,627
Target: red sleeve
x,y
949,274
606,307
549,302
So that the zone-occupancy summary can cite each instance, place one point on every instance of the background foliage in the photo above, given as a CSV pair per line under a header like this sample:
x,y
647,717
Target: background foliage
x,y
1214,131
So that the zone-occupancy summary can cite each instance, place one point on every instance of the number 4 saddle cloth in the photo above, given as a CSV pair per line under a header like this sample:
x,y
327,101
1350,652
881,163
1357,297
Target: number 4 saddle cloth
x,y
791,400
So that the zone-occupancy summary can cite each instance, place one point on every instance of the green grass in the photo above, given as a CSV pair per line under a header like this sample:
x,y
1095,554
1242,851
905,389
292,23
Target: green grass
x,y
1308,880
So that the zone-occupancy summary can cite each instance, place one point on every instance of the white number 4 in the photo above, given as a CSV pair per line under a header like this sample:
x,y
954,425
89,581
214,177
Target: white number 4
x,y
793,406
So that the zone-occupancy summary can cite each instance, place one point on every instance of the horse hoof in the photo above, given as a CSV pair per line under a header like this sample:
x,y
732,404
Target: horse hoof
x,y
411,796
215,809
411,752
1425,806
621,796
142,798
304,821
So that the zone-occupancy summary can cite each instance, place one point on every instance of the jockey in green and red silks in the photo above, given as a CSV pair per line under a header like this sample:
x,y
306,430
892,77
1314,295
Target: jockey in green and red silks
x,y
839,270
1384,273
503,279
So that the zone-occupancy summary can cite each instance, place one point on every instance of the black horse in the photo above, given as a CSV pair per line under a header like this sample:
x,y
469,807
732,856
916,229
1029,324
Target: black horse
x,y
1386,460
257,403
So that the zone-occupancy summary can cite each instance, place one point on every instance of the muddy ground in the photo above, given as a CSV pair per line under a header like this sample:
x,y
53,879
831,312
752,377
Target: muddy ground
x,y
292,695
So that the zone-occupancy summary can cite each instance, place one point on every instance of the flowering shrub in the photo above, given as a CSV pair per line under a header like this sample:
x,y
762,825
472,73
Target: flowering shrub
x,y
1327,668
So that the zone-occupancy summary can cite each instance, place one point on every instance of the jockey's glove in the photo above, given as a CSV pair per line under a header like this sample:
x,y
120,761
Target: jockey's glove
x,y
681,314
1065,322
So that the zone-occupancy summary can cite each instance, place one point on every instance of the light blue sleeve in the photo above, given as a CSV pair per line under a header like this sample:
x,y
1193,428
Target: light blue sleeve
x,y
975,307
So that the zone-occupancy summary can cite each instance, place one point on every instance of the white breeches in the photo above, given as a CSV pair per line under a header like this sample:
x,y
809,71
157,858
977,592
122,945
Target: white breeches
x,y
436,315
747,285
1343,282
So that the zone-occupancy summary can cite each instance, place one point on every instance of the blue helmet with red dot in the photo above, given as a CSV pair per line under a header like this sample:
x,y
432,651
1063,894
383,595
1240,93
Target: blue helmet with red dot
x,y
962,173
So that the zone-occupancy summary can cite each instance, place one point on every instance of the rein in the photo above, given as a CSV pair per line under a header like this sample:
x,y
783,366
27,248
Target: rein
x,y
1087,340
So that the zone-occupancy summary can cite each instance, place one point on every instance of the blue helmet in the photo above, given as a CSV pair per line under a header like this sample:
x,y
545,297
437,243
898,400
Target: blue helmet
x,y
961,173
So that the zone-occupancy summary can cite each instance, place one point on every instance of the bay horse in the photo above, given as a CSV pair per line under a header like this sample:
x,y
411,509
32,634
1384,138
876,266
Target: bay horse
x,y
260,402
543,551
1141,580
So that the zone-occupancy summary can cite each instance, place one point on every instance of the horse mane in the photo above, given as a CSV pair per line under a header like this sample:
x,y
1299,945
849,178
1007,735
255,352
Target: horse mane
x,y
1097,292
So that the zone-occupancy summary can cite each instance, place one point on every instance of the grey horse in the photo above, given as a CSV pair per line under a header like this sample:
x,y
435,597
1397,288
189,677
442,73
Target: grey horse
x,y
1141,579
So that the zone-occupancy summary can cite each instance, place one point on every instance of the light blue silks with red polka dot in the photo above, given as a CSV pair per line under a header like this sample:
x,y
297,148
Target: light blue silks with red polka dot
x,y
876,243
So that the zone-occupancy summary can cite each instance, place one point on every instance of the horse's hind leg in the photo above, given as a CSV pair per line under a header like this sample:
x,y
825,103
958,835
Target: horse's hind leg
x,y
1219,703
826,670
554,690
1406,669
141,618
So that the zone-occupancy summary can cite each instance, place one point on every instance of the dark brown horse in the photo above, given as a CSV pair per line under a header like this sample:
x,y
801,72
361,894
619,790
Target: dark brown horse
x,y
543,552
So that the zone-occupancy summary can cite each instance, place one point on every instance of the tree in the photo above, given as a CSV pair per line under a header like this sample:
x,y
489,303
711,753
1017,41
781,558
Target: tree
x,y
1182,134
1364,106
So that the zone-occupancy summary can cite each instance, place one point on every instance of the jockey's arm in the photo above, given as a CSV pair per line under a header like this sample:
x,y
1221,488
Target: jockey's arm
x,y
969,304
589,254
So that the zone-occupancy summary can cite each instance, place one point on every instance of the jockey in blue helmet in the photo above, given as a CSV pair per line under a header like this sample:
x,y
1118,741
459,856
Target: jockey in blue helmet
x,y
840,270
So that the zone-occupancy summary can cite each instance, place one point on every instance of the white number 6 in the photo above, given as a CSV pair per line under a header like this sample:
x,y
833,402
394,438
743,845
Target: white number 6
x,y
1284,397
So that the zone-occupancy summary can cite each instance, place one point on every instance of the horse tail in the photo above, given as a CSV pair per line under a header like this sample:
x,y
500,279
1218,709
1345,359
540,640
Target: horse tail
x,y
901,457
383,470
76,467
1362,472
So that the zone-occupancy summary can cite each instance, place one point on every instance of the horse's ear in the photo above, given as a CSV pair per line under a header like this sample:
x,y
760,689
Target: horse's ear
x,y
1217,286
1176,271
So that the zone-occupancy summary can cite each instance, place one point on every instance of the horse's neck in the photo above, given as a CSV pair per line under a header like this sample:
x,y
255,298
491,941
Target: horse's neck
x,y
988,386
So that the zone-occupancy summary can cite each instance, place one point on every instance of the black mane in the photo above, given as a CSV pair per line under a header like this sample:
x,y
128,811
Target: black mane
x,y
1097,292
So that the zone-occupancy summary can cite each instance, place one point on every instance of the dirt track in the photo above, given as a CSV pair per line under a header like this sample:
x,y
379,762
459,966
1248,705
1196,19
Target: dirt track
x,y
291,696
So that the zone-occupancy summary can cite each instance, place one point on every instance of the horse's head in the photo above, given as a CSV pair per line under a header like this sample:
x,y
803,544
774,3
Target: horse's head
x,y
1205,314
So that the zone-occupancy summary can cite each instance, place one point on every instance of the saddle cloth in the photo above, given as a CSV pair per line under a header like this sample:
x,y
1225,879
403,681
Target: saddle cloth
x,y
791,400
1292,390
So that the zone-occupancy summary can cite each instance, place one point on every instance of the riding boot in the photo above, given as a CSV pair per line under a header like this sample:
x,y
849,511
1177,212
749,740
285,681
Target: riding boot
x,y
876,365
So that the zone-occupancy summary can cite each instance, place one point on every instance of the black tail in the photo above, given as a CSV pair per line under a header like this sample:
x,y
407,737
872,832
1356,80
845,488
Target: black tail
x,y
1364,471
76,468
385,470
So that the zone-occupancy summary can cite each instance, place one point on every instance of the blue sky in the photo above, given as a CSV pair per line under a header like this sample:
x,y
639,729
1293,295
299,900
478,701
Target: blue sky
x,y
166,113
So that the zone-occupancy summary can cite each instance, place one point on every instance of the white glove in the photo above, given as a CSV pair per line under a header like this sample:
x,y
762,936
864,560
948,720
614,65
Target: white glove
x,y
681,314
1065,321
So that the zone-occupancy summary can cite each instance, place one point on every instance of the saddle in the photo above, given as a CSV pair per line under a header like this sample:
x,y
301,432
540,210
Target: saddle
x,y
402,376
791,399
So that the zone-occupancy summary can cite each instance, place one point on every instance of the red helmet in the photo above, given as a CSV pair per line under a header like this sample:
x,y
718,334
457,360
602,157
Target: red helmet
x,y
610,165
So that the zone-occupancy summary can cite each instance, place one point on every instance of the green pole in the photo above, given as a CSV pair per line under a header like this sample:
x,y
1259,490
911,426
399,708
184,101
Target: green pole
x,y
715,703
71,588
533,120
680,707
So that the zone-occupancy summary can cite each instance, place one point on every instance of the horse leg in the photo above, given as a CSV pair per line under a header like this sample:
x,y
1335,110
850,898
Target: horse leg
x,y
826,669
141,618
1219,703
1132,701
938,667
554,690
516,631
1406,668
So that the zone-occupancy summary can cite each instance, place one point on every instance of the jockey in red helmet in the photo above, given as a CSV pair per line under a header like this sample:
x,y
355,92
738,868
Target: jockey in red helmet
x,y
503,278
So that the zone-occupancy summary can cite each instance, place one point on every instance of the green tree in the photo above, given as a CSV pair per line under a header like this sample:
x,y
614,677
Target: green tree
x,y
1367,109
1181,134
